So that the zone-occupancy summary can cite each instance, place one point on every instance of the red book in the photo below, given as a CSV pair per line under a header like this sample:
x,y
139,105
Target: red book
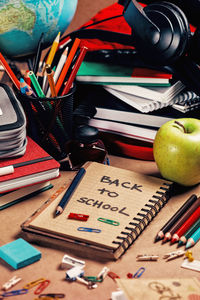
x,y
35,166
186,225
150,73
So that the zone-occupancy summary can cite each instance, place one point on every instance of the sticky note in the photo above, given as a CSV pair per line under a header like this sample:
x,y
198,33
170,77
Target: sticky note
x,y
19,253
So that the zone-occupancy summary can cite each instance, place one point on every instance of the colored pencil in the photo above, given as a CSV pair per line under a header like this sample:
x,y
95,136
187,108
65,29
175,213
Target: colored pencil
x,y
59,68
25,88
67,64
9,71
36,85
51,81
160,235
186,225
183,239
69,192
181,220
74,70
193,239
53,50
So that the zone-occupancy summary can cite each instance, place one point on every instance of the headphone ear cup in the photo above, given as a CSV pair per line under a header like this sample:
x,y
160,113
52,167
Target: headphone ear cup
x,y
174,33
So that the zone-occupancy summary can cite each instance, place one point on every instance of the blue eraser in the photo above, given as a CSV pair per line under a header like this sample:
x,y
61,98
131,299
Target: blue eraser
x,y
19,253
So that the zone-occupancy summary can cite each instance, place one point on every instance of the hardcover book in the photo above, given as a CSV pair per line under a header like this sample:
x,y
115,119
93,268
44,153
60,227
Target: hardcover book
x,y
119,204
35,166
102,73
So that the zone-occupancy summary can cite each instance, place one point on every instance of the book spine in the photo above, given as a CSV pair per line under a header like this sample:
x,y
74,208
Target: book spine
x,y
133,230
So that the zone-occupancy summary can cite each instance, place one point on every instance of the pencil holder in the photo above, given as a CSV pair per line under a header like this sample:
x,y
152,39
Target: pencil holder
x,y
50,121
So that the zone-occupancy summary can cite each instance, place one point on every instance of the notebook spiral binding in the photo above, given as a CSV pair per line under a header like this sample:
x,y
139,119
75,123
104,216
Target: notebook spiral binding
x,y
144,217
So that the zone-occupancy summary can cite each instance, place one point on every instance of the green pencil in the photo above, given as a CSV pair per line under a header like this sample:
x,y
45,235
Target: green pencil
x,y
189,233
36,85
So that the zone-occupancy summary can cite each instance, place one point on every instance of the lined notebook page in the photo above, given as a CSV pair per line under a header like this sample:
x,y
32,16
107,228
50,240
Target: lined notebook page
x,y
104,192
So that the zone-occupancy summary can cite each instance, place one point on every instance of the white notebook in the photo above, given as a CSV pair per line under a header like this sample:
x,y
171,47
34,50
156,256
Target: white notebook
x,y
147,99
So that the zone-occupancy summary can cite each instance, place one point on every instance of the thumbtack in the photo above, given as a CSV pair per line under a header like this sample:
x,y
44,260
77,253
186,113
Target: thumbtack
x,y
103,273
188,254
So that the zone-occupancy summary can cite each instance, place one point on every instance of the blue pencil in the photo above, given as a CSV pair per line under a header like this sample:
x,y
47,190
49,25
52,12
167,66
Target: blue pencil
x,y
69,192
193,239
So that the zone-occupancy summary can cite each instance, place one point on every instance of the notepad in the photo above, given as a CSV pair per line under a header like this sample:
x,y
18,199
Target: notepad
x,y
19,253
120,204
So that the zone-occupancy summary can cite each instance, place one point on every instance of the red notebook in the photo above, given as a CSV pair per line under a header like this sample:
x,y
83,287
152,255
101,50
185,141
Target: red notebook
x,y
40,167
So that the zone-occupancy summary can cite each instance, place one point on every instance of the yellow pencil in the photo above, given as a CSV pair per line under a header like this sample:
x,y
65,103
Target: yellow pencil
x,y
52,51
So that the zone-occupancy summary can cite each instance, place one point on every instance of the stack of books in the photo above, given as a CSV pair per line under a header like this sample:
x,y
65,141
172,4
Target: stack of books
x,y
27,175
133,102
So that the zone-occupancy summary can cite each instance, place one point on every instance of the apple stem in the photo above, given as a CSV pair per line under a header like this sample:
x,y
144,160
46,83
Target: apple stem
x,y
180,125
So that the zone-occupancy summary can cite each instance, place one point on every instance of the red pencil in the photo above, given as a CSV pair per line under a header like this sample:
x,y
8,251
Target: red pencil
x,y
67,64
74,70
9,71
186,225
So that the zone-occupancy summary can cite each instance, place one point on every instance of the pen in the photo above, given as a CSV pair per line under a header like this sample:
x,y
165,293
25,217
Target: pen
x,y
67,64
69,192
74,71
38,54
9,71
10,169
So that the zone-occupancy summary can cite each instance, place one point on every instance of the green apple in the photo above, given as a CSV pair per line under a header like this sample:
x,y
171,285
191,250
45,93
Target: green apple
x,y
176,151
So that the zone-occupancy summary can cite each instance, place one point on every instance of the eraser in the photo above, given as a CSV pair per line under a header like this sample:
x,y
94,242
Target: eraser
x,y
19,253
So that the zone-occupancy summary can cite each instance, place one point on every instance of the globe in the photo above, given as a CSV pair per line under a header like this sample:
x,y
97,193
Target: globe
x,y
23,21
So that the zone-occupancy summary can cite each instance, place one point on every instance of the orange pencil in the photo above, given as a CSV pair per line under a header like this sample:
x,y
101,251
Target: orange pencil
x,y
9,71
51,81
67,64
74,71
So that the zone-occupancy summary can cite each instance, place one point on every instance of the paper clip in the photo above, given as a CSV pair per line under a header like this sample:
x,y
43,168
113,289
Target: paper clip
x,y
113,275
41,287
107,221
142,257
15,293
34,283
174,254
13,281
93,279
52,295
79,217
86,229
138,274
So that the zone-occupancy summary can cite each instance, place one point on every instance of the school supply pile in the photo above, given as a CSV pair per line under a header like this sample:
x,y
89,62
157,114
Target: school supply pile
x,y
35,166
13,140
84,218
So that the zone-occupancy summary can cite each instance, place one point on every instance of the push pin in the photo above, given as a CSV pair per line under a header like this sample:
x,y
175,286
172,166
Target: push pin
x,y
142,257
189,256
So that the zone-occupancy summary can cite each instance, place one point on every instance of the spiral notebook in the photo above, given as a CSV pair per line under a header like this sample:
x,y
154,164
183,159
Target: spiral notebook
x,y
119,204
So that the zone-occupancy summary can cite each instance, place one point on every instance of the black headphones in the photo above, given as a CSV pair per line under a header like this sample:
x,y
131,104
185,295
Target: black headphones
x,y
162,36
